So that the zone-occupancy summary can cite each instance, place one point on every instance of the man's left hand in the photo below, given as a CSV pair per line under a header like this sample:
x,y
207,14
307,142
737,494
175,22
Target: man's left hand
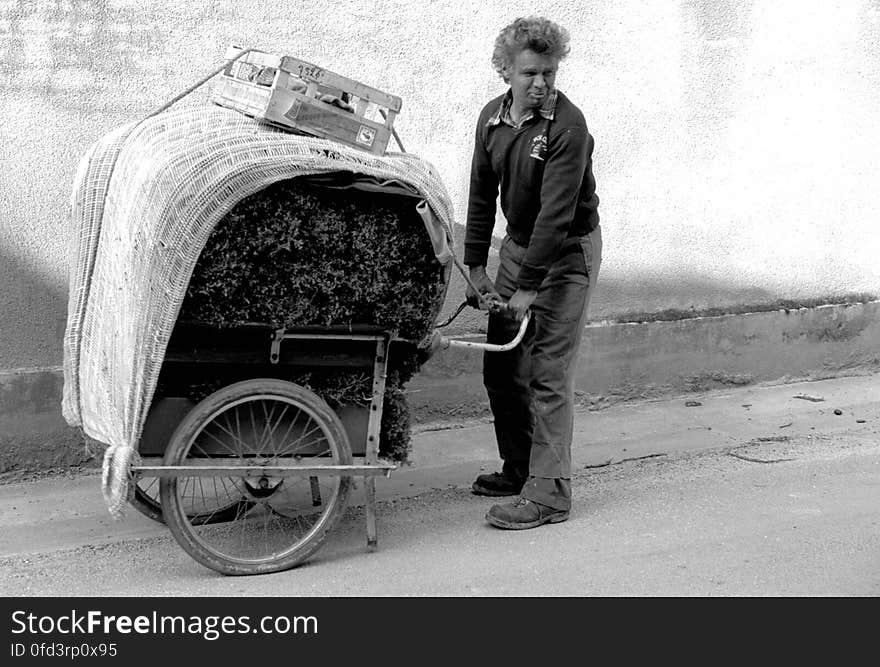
x,y
520,302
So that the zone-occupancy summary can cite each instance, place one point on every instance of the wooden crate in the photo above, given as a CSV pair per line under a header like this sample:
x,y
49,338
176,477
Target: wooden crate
x,y
298,95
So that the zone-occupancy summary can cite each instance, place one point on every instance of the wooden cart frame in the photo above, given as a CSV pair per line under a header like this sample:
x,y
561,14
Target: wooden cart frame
x,y
366,348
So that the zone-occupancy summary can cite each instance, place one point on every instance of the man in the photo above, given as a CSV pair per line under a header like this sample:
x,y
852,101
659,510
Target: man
x,y
533,148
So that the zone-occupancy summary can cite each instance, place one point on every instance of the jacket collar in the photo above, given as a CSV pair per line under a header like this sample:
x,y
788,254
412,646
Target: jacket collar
x,y
502,113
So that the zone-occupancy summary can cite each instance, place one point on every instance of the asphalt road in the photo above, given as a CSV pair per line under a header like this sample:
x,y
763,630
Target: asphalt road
x,y
793,512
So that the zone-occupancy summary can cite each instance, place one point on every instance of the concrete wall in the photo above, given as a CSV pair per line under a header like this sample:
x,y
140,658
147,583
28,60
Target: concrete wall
x,y
736,140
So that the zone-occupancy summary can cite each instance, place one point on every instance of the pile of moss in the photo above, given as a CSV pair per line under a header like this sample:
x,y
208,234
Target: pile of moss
x,y
297,254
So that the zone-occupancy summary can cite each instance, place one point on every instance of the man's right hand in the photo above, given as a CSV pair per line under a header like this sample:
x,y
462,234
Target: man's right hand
x,y
485,286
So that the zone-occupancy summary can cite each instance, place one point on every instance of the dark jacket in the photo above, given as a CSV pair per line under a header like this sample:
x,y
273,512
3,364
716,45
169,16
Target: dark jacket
x,y
548,193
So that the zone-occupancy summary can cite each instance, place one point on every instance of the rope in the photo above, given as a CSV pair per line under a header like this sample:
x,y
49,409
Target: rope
x,y
456,314
201,82
393,132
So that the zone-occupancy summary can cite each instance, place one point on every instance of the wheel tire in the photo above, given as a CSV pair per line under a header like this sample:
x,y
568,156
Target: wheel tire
x,y
144,502
148,503
207,419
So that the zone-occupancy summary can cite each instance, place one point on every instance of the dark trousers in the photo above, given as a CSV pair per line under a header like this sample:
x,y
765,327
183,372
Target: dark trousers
x,y
530,388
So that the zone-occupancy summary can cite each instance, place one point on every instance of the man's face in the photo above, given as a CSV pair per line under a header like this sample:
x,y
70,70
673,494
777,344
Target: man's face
x,y
532,76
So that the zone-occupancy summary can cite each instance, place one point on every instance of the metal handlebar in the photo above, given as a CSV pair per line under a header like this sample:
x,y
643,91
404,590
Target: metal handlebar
x,y
443,342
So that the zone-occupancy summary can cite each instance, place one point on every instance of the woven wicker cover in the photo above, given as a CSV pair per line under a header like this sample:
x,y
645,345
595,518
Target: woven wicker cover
x,y
145,200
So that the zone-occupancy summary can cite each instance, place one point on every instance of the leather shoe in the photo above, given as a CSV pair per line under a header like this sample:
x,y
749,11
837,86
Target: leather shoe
x,y
524,514
497,484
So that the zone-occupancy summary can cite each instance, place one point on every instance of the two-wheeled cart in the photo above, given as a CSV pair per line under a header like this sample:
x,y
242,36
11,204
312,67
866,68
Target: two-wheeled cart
x,y
252,478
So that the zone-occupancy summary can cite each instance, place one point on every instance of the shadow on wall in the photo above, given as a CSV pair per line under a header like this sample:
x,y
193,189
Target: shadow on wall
x,y
73,52
33,434
630,297
34,316
624,298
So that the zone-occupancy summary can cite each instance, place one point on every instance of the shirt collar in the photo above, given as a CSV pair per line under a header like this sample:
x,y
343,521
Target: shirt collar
x,y
502,113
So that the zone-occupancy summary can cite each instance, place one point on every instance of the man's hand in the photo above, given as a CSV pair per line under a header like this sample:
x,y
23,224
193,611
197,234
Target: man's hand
x,y
520,302
482,282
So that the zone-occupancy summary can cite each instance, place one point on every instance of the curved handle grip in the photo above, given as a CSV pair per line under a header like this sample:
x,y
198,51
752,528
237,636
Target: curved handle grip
x,y
445,342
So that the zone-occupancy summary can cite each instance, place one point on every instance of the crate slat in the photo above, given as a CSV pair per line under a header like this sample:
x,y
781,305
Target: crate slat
x,y
286,91
310,72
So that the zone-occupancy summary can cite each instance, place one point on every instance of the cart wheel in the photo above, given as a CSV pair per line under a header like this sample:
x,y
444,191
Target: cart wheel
x,y
146,498
201,511
287,518
164,416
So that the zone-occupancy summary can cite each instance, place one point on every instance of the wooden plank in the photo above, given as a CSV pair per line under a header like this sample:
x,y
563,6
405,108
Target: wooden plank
x,y
292,109
152,461
241,470
370,503
389,119
310,72
217,358
242,96
261,58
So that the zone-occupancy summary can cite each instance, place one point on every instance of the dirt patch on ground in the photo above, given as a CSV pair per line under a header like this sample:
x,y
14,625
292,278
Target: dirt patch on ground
x,y
72,472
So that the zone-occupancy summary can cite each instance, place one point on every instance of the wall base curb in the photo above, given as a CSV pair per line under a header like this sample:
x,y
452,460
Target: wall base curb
x,y
616,362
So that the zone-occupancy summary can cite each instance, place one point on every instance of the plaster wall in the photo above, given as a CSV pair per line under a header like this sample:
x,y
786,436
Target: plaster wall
x,y
736,141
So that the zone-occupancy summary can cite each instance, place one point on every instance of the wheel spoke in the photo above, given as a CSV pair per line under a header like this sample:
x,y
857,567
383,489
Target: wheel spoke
x,y
275,427
250,405
297,444
267,423
289,428
231,434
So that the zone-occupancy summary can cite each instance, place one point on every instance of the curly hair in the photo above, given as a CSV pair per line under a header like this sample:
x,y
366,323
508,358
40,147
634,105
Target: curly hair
x,y
536,33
